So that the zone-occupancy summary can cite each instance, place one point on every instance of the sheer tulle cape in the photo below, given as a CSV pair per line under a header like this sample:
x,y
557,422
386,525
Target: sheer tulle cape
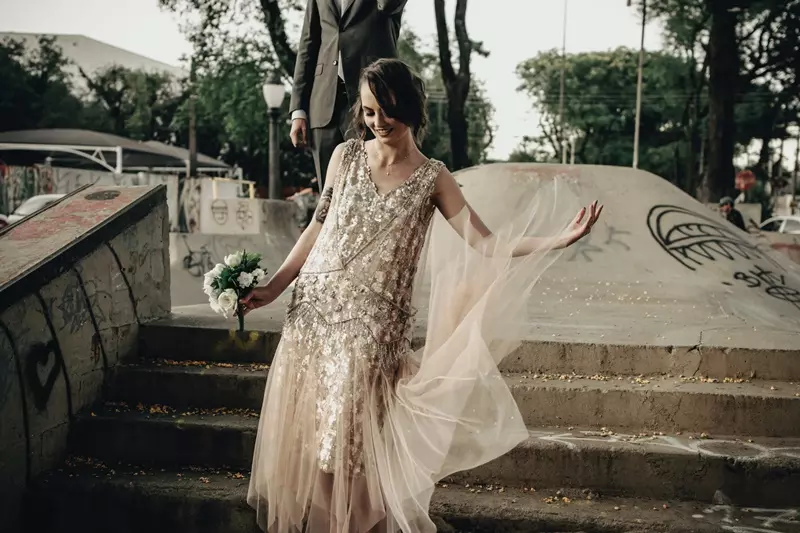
x,y
449,408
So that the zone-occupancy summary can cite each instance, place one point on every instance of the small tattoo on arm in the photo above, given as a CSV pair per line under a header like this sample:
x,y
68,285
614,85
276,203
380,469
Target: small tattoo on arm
x,y
324,204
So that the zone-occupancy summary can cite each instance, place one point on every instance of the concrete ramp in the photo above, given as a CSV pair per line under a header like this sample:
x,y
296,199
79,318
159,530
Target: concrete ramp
x,y
660,269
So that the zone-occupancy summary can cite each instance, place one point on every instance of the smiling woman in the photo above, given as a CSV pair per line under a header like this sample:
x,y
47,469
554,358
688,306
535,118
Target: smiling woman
x,y
375,424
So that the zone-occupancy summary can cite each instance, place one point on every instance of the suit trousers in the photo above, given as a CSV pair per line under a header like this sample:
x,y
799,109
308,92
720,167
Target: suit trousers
x,y
325,140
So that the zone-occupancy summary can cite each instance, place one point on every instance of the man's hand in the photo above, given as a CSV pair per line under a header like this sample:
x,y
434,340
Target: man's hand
x,y
299,132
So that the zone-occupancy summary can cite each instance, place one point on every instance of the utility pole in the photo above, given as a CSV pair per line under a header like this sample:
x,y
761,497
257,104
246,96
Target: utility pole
x,y
639,89
562,141
192,170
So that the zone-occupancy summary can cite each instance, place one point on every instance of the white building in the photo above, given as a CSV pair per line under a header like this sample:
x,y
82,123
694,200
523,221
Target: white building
x,y
92,55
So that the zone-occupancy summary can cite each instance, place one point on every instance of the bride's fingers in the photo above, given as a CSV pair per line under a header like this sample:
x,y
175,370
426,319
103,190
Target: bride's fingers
x,y
579,216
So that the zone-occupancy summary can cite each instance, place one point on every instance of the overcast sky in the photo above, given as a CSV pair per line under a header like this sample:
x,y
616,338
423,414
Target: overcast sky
x,y
512,31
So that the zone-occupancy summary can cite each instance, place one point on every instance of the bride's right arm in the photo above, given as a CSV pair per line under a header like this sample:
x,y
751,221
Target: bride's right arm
x,y
290,268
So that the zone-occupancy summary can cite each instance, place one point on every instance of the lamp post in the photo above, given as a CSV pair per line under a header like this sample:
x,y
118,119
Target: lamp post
x,y
274,93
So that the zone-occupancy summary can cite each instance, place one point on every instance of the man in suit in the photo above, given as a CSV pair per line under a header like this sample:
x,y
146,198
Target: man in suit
x,y
339,38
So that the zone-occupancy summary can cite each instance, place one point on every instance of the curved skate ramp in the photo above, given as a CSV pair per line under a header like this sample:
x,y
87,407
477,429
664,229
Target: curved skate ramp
x,y
659,269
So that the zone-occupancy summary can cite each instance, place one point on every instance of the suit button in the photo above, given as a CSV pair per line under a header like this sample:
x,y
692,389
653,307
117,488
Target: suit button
x,y
335,62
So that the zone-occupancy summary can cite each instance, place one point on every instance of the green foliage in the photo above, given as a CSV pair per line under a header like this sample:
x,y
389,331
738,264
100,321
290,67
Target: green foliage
x,y
232,116
136,104
35,91
228,278
479,109
599,107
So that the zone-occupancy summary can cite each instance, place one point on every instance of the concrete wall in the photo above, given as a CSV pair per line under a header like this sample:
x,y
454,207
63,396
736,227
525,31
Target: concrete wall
x,y
58,343
17,184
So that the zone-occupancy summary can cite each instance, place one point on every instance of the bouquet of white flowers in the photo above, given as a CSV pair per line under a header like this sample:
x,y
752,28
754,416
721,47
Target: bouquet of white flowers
x,y
226,283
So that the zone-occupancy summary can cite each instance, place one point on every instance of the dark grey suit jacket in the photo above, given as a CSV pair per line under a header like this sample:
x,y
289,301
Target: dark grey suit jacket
x,y
365,30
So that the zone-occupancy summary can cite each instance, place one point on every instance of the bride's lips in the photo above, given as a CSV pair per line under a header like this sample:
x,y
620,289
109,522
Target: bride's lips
x,y
383,132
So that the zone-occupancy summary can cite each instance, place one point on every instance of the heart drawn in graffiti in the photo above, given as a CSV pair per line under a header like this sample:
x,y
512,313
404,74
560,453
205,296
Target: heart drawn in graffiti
x,y
41,368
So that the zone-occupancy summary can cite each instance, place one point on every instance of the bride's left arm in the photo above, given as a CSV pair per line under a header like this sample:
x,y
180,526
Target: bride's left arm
x,y
450,201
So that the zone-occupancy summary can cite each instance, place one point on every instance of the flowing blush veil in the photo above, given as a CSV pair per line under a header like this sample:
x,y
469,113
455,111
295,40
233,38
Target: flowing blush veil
x,y
453,410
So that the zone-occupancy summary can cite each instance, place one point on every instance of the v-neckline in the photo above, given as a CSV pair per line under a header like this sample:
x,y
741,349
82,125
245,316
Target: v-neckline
x,y
374,186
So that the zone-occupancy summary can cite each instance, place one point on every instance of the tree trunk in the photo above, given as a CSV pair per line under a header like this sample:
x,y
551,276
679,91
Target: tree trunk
x,y
723,52
456,83
276,26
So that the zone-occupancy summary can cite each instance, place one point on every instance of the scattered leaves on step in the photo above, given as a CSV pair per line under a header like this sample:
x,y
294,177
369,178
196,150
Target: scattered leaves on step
x,y
705,435
253,367
205,480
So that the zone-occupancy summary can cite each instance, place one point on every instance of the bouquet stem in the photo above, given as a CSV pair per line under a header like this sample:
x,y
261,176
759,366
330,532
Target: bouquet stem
x,y
240,316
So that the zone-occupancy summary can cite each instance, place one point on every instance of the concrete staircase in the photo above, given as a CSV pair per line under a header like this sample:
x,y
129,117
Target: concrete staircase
x,y
170,449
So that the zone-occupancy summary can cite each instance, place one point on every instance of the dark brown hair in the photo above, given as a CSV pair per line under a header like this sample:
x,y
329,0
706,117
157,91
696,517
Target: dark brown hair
x,y
399,91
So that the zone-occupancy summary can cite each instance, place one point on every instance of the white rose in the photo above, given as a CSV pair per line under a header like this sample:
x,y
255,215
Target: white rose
x,y
214,272
233,260
212,301
227,301
259,274
211,292
245,280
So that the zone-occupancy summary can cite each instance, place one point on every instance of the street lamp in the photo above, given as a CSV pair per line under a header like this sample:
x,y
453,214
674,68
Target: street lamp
x,y
274,93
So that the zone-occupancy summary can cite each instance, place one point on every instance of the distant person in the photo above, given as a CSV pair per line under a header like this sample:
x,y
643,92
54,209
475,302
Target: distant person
x,y
731,213
338,39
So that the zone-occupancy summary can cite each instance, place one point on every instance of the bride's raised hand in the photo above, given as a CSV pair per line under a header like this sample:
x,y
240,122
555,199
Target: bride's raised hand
x,y
582,224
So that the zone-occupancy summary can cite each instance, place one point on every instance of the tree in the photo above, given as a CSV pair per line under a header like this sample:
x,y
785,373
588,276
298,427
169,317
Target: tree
x,y
216,19
479,111
136,104
456,83
746,44
599,108
232,115
36,91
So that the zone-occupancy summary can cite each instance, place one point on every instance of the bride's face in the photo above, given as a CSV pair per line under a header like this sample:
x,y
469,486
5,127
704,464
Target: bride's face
x,y
385,128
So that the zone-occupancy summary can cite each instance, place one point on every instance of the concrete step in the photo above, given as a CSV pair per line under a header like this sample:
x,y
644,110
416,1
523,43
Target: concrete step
x,y
764,471
191,335
190,383
98,497
765,408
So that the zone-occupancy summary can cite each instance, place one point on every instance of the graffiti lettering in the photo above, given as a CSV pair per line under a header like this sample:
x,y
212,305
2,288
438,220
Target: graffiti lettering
x,y
773,284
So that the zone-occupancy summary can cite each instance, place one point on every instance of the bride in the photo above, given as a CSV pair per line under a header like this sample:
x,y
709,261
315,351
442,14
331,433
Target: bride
x,y
356,427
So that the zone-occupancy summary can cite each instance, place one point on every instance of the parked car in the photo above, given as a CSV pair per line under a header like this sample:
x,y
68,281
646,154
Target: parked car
x,y
29,207
782,224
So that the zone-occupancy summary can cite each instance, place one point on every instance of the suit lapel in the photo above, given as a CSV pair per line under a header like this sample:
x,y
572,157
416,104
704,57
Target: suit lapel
x,y
349,6
333,6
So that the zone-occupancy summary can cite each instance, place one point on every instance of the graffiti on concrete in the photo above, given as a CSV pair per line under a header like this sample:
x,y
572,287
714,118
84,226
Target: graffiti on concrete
x,y
694,239
17,184
708,447
43,364
77,306
244,215
771,283
198,262
219,211
752,519
585,247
